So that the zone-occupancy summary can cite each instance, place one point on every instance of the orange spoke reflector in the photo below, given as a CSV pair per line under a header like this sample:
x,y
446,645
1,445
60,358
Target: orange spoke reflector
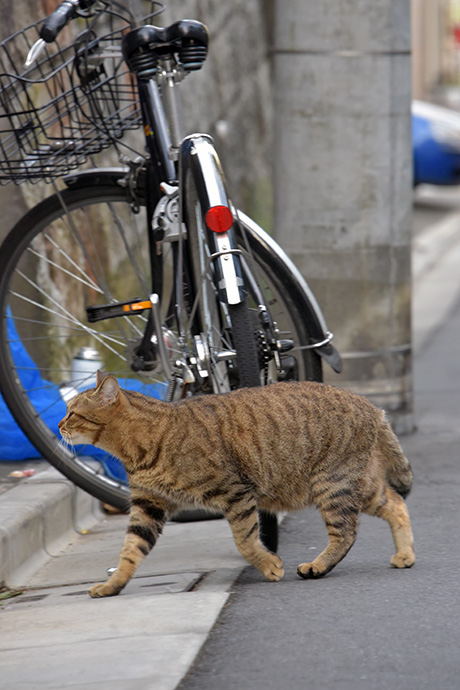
x,y
219,218
137,306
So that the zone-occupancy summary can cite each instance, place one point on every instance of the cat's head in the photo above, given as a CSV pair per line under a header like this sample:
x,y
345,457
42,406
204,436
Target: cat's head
x,y
90,411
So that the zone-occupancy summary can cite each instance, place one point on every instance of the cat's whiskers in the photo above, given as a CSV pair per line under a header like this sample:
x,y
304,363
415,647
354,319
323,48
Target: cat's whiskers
x,y
62,442
66,441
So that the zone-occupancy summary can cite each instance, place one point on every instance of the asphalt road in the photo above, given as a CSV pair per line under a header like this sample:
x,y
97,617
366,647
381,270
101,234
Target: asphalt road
x,y
365,626
432,204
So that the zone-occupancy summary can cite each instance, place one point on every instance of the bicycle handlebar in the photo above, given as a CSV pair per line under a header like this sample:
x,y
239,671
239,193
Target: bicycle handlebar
x,y
61,16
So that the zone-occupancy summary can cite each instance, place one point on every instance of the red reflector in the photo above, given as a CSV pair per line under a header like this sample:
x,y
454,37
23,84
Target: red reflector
x,y
219,219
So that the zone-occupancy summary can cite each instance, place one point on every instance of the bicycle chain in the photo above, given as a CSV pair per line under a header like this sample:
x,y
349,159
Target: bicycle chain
x,y
264,353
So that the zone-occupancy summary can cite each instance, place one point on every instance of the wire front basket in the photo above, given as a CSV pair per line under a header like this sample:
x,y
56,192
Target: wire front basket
x,y
75,100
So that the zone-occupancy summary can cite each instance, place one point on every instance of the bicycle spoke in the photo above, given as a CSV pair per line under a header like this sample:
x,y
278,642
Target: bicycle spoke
x,y
90,256
130,253
64,314
84,277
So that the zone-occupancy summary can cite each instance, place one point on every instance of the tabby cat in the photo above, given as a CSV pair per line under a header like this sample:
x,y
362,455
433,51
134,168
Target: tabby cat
x,y
277,448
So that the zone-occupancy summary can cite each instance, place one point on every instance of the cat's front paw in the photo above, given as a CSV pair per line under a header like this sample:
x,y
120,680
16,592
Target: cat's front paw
x,y
272,568
103,590
402,560
309,571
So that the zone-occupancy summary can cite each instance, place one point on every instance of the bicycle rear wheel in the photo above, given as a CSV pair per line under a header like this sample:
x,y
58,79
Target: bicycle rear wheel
x,y
54,263
202,187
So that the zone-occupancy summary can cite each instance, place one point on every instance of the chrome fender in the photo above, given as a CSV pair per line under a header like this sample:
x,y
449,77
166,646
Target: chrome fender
x,y
294,287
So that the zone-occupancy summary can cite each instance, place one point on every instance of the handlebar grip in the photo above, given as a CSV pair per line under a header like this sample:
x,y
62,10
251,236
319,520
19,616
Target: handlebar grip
x,y
58,19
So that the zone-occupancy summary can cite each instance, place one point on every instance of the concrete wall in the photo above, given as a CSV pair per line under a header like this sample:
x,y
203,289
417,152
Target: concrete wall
x,y
343,184
428,34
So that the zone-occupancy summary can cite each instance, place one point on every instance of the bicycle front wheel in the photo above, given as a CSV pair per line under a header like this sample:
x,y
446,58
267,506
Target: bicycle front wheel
x,y
81,247
77,248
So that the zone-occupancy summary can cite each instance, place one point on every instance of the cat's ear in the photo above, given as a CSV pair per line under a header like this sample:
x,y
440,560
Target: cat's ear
x,y
100,376
109,390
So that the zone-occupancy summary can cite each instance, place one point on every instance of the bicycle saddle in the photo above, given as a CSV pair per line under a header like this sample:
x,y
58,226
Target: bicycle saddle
x,y
142,47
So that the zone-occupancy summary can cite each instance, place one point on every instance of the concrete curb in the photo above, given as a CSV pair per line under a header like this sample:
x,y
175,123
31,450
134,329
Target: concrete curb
x,y
38,518
436,277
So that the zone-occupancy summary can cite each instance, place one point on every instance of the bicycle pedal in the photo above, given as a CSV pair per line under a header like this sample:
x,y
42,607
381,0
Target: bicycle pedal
x,y
110,311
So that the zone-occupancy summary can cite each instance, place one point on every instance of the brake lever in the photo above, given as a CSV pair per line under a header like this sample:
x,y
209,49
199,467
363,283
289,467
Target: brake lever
x,y
34,52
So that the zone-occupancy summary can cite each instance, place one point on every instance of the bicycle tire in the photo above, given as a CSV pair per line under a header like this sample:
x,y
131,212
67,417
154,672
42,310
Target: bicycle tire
x,y
196,200
198,184
19,253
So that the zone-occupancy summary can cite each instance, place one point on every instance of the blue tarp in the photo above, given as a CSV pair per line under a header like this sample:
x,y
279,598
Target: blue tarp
x,y
47,401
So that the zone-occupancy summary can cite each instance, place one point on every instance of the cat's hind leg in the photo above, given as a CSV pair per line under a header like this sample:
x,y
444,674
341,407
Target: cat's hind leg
x,y
146,521
241,513
342,526
389,505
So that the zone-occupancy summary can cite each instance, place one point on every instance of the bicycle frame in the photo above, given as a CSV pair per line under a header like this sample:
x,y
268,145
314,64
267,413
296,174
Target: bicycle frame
x,y
294,284
196,156
175,159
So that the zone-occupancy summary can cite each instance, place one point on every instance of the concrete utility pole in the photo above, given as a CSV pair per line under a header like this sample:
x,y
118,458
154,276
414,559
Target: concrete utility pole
x,y
343,172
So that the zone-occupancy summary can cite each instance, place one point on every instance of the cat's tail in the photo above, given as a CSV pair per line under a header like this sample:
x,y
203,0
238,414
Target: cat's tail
x,y
398,471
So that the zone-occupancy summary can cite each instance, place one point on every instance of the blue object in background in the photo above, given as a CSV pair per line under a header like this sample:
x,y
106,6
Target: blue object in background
x,y
435,144
46,398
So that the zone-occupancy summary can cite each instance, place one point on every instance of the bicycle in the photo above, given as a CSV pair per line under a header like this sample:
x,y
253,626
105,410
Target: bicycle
x,y
188,297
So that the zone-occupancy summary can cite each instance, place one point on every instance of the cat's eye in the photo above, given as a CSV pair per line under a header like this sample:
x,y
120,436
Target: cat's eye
x,y
70,415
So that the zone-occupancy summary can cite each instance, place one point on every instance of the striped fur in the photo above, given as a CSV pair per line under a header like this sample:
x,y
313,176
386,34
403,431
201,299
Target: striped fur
x,y
277,448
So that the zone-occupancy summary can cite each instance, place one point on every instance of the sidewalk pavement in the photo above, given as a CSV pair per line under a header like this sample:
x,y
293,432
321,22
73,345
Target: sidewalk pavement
x,y
55,541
